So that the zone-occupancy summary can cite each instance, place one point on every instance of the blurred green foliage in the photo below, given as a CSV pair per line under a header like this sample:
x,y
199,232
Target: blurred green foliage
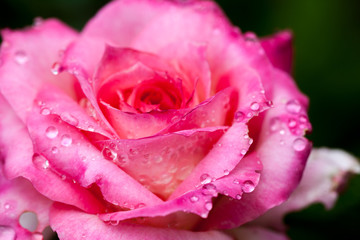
x,y
327,65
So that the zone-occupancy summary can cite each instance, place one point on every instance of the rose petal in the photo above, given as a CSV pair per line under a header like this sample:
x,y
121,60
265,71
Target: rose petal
x,y
56,102
162,162
283,153
198,201
23,162
15,195
257,233
26,66
77,159
69,223
325,174
279,50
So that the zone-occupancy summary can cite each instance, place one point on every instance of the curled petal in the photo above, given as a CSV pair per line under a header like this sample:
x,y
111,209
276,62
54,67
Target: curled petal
x,y
324,176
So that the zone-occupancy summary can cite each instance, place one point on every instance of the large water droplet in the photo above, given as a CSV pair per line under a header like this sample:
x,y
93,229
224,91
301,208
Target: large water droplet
x,y
109,154
51,132
239,116
21,57
55,68
205,178
248,186
45,111
209,189
66,140
40,162
293,106
299,144
255,106
208,206
69,118
29,221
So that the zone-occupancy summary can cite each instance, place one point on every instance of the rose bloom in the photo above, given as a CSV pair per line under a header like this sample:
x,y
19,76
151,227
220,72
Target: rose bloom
x,y
160,120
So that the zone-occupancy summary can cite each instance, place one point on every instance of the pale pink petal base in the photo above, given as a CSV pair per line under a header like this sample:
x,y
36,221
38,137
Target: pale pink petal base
x,y
73,224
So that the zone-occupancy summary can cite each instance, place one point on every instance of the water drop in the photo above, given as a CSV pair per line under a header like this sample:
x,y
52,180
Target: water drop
x,y
194,198
299,144
40,162
251,141
248,186
29,221
239,116
226,172
282,132
54,150
208,206
238,196
275,124
236,181
70,119
51,132
109,154
55,68
293,106
209,189
45,111
292,123
21,57
205,178
91,128
66,140
243,152
254,106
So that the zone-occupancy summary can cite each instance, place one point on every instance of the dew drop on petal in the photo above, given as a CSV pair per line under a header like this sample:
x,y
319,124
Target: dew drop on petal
x,y
66,140
209,189
239,116
69,118
45,111
91,128
109,154
243,152
208,206
40,162
299,144
54,150
55,68
226,172
238,196
236,181
205,178
194,198
29,221
255,106
248,186
293,106
51,132
21,57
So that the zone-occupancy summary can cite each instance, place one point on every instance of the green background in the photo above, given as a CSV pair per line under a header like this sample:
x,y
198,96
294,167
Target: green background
x,y
327,65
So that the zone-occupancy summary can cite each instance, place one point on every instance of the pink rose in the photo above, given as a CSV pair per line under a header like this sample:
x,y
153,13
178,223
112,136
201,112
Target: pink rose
x,y
160,120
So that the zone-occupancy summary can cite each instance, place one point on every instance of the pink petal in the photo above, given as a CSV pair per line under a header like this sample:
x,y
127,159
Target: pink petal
x,y
76,159
53,101
70,223
23,162
325,174
26,66
241,180
279,50
257,233
162,162
283,152
18,197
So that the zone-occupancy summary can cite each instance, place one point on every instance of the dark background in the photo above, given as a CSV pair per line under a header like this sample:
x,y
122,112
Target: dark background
x,y
327,68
